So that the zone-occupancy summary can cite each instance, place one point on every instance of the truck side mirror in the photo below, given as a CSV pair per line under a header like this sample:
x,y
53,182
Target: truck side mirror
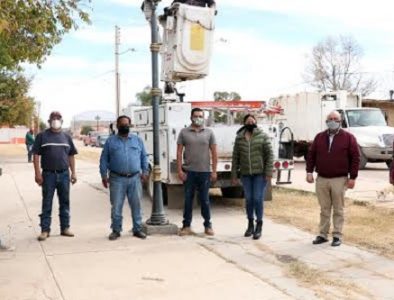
x,y
344,124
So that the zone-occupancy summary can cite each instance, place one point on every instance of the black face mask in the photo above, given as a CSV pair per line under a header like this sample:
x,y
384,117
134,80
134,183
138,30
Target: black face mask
x,y
250,127
124,129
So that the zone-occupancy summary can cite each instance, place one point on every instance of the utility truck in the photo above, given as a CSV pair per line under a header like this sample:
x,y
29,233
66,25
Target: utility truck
x,y
306,114
176,115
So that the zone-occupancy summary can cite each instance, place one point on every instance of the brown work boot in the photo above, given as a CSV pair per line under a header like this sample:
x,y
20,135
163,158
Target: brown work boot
x,y
43,236
209,231
67,232
186,231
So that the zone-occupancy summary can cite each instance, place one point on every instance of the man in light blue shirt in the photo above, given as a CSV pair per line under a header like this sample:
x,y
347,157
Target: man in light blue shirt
x,y
123,164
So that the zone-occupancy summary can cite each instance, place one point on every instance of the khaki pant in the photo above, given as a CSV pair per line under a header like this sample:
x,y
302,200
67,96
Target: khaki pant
x,y
331,193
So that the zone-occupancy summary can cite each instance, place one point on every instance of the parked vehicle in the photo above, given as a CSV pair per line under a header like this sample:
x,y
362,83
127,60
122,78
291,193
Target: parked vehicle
x,y
306,114
90,138
101,139
173,117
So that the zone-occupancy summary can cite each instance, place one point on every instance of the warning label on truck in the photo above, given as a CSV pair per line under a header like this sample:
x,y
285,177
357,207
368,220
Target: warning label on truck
x,y
197,36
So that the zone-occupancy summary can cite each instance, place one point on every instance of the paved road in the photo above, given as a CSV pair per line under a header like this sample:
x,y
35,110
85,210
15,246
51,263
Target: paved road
x,y
374,178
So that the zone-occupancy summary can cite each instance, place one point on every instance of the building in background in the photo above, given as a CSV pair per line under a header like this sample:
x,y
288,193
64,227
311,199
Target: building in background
x,y
387,106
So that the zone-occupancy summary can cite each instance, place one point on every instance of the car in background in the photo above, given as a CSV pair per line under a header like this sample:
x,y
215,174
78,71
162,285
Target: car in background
x,y
101,139
90,138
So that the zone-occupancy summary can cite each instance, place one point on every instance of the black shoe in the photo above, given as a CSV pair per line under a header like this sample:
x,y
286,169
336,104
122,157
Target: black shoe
x,y
249,231
257,232
336,242
114,235
139,234
319,240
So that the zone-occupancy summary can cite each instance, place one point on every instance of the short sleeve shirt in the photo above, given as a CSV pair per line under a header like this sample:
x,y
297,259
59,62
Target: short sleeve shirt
x,y
196,154
54,149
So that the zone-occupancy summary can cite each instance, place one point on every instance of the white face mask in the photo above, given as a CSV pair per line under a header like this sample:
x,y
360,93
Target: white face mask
x,y
198,121
56,124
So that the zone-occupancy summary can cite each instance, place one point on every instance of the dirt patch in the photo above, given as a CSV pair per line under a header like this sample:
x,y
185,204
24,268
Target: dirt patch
x,y
13,150
367,226
90,154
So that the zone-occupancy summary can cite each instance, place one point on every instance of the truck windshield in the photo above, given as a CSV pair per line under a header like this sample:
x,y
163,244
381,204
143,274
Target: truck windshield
x,y
367,117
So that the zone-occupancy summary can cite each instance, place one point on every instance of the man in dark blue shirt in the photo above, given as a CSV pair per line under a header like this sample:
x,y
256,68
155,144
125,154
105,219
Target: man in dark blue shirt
x,y
123,163
57,151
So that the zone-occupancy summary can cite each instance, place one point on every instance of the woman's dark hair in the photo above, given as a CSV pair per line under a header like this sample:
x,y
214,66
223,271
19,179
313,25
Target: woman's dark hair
x,y
244,120
247,116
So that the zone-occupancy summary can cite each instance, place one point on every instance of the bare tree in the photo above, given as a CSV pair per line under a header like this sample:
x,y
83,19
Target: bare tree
x,y
335,64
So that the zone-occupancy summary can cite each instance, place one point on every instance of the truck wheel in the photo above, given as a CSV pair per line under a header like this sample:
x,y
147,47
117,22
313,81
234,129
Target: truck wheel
x,y
363,160
388,163
148,186
232,192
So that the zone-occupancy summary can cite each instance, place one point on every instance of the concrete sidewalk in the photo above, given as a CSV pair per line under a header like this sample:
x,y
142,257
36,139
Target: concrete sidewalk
x,y
282,265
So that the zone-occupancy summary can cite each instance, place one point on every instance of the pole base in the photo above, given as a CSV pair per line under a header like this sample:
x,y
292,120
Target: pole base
x,y
166,229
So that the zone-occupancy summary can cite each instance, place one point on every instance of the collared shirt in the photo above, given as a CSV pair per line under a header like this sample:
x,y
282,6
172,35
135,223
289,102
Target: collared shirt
x,y
196,155
123,155
331,136
54,149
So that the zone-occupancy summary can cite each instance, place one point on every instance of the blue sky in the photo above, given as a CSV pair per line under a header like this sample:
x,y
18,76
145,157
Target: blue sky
x,y
266,48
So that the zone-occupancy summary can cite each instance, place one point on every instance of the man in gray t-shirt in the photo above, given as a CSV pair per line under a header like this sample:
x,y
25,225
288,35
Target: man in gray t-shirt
x,y
196,147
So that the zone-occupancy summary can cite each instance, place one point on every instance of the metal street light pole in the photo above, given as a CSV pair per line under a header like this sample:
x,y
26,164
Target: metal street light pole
x,y
158,216
117,76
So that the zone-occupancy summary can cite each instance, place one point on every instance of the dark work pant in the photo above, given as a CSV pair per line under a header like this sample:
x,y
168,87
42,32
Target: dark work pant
x,y
199,181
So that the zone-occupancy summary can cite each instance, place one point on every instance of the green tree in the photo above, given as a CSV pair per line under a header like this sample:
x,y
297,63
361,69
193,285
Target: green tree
x,y
29,29
144,97
226,96
42,125
221,117
86,129
16,107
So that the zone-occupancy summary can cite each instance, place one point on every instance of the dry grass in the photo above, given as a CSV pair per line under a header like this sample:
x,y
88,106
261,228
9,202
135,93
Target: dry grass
x,y
90,154
366,226
12,150
324,285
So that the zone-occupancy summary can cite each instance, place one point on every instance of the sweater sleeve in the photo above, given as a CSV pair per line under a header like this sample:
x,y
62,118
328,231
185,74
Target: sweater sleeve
x,y
354,157
311,156
235,162
268,157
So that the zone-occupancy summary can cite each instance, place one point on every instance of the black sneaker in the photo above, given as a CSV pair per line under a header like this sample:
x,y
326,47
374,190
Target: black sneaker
x,y
336,242
319,240
139,234
114,235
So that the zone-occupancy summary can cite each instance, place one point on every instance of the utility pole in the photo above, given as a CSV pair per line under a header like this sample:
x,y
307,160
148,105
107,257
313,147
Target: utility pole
x,y
158,222
117,75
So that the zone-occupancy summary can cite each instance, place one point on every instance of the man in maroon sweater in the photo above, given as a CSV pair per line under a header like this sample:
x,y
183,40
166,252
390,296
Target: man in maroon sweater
x,y
335,157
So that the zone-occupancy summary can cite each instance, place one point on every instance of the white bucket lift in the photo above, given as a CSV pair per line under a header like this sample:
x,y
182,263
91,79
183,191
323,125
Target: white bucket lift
x,y
187,42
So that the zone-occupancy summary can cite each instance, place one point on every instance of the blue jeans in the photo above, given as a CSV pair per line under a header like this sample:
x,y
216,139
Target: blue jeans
x,y
254,189
119,188
199,181
61,183
29,149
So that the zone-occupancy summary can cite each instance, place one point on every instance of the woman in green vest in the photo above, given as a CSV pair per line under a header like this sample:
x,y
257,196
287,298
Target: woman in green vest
x,y
253,160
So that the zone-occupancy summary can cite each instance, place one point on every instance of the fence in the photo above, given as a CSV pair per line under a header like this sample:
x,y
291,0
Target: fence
x,y
13,135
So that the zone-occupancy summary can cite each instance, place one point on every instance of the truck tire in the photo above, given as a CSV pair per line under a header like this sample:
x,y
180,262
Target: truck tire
x,y
232,192
363,160
388,163
148,186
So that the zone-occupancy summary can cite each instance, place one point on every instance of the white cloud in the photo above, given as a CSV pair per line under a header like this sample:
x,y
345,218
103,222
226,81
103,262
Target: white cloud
x,y
353,13
135,35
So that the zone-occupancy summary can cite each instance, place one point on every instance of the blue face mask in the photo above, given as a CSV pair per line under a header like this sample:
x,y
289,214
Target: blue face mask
x,y
333,125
